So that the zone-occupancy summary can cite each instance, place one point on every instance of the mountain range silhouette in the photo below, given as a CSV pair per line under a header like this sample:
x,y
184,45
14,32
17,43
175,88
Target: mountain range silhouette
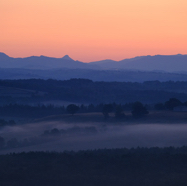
x,y
165,63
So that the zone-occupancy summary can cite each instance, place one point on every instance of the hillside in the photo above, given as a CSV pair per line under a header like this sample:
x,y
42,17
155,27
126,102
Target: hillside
x,y
167,63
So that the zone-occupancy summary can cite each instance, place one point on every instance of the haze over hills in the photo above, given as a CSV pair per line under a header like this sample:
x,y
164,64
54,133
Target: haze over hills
x,y
138,69
94,75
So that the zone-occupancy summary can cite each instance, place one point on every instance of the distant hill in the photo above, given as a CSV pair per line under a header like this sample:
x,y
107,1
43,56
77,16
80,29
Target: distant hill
x,y
94,75
167,63
138,69
35,91
42,62
163,63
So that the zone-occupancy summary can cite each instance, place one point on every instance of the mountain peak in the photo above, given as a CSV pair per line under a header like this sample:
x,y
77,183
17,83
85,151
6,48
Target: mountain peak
x,y
3,55
66,57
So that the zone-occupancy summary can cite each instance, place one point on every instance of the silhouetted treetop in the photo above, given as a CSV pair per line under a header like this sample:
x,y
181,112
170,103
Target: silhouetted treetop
x,y
72,109
138,110
173,102
107,108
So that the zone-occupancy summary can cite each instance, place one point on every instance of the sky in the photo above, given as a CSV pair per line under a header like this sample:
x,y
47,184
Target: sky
x,y
92,30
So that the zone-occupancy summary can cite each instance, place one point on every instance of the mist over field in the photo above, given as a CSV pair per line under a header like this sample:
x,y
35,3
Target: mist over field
x,y
79,136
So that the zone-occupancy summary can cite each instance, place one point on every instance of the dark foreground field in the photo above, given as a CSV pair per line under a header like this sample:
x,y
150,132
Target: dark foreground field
x,y
115,167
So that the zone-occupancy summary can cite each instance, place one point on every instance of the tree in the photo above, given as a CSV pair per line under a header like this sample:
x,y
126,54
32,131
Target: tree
x,y
119,112
72,109
138,110
173,102
159,106
107,108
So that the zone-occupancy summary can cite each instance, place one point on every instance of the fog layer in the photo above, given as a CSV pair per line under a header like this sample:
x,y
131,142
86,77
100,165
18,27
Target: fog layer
x,y
94,136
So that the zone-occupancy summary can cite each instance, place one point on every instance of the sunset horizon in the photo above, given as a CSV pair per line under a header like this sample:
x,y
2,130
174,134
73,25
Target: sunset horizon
x,y
93,30
92,60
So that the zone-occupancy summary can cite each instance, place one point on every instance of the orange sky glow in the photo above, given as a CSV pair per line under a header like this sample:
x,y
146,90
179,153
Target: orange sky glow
x,y
91,30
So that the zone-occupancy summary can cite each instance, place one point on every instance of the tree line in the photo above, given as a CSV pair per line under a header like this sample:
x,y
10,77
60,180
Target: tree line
x,y
87,91
43,110
170,104
137,109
